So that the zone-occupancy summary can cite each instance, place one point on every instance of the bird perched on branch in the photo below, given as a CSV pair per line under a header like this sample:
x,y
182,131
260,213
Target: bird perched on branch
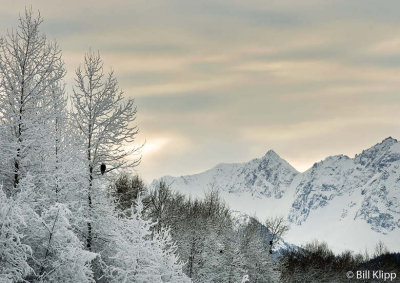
x,y
102,168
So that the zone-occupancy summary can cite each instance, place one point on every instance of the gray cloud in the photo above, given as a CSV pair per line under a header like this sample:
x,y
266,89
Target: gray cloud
x,y
226,80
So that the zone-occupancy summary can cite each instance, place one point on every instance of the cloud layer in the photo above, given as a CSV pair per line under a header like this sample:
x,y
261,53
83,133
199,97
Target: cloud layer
x,y
226,80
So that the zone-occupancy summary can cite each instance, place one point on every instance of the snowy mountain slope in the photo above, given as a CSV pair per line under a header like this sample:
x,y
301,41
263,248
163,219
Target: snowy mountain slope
x,y
327,224
339,198
268,176
371,179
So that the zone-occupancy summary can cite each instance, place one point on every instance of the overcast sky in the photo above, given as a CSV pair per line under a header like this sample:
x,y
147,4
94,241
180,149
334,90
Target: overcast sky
x,y
227,80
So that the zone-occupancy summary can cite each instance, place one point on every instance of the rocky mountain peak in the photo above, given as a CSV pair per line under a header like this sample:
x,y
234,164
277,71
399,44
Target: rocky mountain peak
x,y
380,154
271,155
271,160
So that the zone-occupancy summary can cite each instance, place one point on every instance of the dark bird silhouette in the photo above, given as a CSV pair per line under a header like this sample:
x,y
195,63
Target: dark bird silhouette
x,y
102,168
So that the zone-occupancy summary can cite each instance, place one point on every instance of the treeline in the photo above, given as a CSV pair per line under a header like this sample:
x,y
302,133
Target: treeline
x,y
315,262
212,245
215,248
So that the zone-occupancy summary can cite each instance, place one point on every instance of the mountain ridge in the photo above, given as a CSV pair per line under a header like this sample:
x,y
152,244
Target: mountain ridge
x,y
364,189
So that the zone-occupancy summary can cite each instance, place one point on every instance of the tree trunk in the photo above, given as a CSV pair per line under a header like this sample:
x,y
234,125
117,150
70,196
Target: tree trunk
x,y
89,224
191,258
16,170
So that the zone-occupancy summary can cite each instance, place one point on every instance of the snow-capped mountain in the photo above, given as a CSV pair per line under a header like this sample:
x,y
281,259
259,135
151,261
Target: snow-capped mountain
x,y
371,182
269,176
349,202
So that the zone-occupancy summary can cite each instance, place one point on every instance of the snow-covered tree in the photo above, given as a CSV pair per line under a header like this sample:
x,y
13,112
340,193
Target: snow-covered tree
x,y
57,153
277,227
38,244
255,252
214,266
245,279
158,200
29,66
62,257
14,253
55,251
105,121
139,257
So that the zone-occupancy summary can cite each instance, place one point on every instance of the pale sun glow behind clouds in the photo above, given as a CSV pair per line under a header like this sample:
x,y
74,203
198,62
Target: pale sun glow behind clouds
x,y
153,146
